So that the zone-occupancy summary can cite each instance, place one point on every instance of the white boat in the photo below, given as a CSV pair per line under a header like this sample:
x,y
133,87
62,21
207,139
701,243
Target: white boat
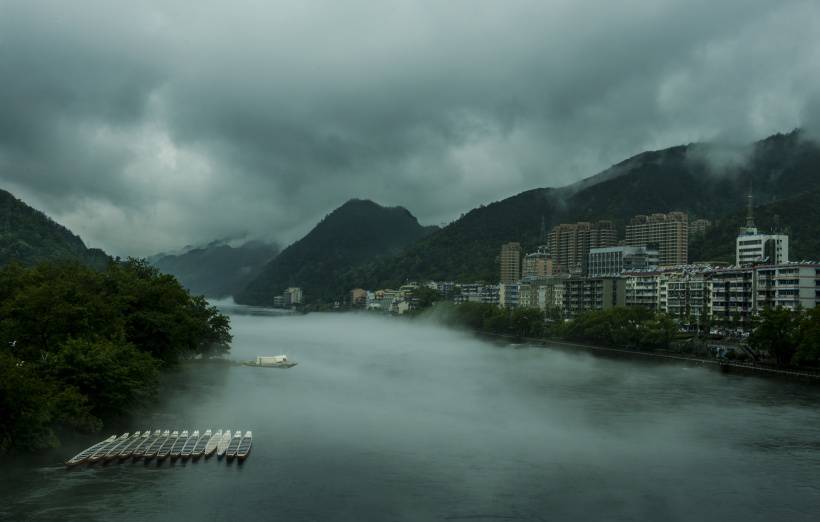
x,y
115,450
230,453
244,446
223,443
199,447
103,450
156,444
165,449
85,454
272,361
138,445
210,448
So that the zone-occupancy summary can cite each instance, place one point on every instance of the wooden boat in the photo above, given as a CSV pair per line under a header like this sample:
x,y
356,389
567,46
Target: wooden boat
x,y
244,446
176,449
103,450
114,450
230,453
210,448
199,447
137,444
149,445
222,447
188,448
85,454
165,449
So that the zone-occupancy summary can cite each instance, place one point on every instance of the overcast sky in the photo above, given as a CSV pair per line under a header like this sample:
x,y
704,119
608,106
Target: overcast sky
x,y
144,126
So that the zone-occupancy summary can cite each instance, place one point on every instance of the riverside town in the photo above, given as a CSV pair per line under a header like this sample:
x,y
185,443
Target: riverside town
x,y
584,268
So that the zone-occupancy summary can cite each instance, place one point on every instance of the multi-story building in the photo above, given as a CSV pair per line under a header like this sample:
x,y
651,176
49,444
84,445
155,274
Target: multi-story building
x,y
510,263
753,247
570,243
731,294
538,264
611,261
508,294
793,286
582,294
669,233
686,295
489,294
544,294
292,296
641,289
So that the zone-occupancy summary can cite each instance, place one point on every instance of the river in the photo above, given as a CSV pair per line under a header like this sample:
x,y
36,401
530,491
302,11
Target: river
x,y
386,419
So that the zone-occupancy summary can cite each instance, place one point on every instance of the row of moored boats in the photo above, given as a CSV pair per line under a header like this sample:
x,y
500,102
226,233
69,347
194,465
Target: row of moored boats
x,y
159,444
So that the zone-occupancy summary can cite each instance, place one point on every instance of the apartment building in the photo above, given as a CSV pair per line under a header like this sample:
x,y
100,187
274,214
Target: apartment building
x,y
570,244
793,286
669,233
582,294
538,264
510,258
611,261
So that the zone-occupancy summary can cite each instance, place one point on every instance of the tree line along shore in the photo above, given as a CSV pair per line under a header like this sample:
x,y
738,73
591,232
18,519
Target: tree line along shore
x,y
80,347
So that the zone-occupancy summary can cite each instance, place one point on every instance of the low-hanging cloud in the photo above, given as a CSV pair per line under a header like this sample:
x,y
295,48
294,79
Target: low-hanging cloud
x,y
149,126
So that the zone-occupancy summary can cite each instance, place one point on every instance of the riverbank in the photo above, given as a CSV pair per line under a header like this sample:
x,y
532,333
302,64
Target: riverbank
x,y
723,366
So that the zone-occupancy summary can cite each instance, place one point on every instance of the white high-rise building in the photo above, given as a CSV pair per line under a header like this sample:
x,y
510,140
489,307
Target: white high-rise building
x,y
753,246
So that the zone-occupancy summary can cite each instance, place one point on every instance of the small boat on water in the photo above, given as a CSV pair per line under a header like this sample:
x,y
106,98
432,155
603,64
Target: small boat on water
x,y
199,447
176,449
210,448
103,450
230,453
188,448
222,447
85,454
136,445
271,361
165,449
151,450
244,446
115,450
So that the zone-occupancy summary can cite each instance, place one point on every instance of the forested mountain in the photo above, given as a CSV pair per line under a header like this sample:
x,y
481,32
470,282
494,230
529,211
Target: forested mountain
x,y
321,261
705,180
799,217
218,269
29,236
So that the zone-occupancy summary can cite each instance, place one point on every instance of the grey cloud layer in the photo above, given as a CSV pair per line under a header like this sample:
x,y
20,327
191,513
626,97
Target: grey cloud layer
x,y
145,127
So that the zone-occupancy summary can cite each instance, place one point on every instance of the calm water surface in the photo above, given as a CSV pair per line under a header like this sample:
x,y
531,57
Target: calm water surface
x,y
385,419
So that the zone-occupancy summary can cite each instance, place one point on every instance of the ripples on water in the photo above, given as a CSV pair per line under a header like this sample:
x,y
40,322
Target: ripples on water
x,y
386,419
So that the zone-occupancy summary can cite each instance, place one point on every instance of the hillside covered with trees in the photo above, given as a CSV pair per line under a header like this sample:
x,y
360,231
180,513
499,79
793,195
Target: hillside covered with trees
x,y
28,236
79,346
217,269
321,261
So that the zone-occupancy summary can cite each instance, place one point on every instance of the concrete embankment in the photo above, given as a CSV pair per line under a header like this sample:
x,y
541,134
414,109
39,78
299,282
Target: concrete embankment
x,y
723,366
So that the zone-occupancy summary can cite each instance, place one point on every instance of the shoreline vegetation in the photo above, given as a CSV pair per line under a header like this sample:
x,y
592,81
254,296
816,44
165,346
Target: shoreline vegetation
x,y
81,347
782,342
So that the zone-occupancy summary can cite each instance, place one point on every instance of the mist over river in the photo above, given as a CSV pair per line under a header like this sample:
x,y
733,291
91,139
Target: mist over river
x,y
387,419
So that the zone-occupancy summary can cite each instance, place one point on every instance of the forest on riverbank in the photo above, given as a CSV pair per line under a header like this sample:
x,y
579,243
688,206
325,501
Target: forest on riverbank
x,y
789,338
80,346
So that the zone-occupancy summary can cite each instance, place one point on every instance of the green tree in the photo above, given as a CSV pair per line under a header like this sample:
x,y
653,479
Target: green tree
x,y
776,334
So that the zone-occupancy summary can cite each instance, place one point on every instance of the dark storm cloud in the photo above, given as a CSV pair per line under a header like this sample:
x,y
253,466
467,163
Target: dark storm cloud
x,y
152,125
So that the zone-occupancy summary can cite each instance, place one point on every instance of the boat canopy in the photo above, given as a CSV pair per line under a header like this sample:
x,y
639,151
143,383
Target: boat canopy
x,y
271,359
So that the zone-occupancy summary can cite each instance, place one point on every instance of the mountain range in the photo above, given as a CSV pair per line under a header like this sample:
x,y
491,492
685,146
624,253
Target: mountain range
x,y
217,269
703,179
